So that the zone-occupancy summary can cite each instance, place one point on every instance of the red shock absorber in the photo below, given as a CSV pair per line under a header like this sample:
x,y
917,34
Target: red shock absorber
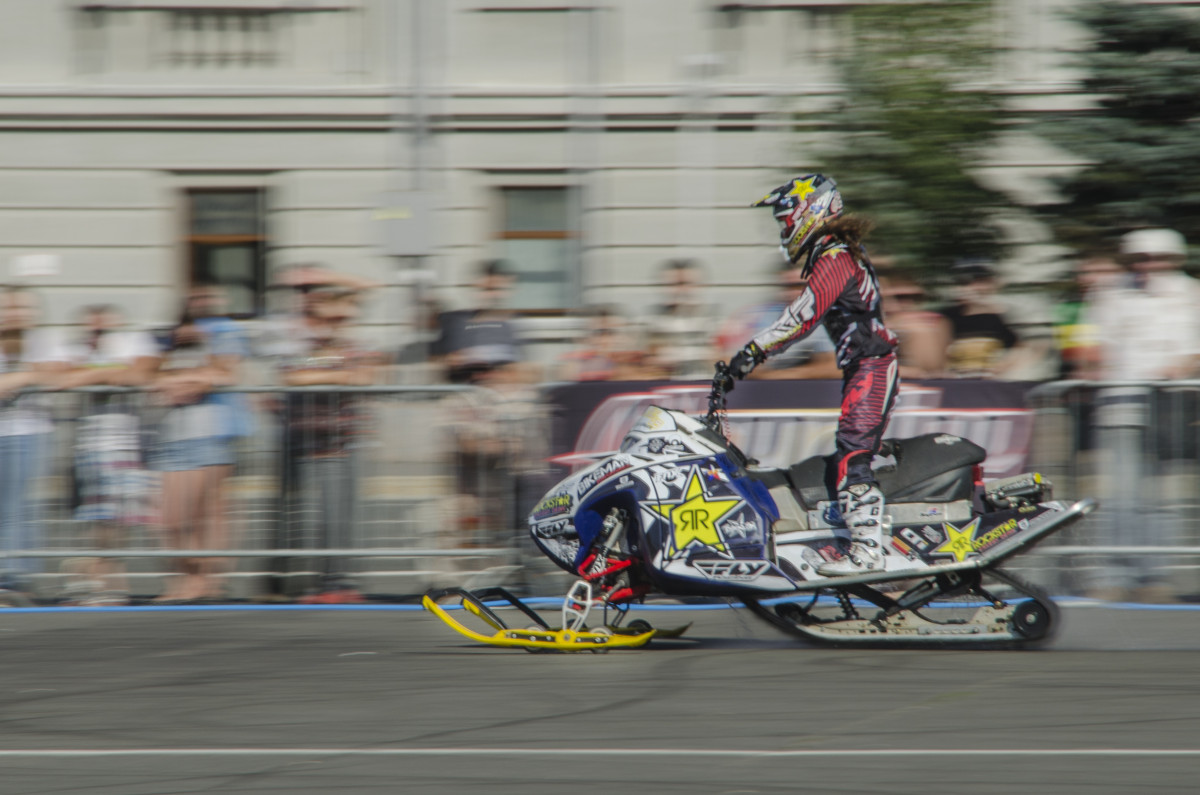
x,y
626,594
595,575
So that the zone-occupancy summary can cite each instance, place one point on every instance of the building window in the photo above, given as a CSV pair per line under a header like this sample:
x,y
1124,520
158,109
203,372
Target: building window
x,y
222,37
539,241
227,246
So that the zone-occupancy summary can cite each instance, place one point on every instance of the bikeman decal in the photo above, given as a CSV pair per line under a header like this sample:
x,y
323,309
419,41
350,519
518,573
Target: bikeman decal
x,y
554,505
946,438
694,518
736,570
600,473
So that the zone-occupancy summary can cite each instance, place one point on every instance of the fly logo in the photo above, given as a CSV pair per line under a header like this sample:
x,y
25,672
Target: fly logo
x,y
732,569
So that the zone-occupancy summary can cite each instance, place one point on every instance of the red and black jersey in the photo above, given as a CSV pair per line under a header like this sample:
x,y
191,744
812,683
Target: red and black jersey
x,y
843,293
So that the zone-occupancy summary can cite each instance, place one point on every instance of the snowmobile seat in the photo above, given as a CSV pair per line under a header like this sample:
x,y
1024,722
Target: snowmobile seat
x,y
935,467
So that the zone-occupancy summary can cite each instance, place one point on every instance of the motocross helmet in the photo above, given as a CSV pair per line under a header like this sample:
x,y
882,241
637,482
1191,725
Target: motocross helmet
x,y
802,206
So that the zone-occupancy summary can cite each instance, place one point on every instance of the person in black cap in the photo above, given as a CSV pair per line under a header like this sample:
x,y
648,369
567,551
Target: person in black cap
x,y
473,342
981,339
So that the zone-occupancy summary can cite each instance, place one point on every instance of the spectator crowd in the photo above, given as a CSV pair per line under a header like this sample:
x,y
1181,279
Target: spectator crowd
x,y
156,436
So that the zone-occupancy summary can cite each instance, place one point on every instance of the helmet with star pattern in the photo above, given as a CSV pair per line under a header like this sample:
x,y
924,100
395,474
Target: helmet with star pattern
x,y
802,206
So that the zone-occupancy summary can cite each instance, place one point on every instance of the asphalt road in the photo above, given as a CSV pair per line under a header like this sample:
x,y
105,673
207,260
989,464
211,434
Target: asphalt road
x,y
386,701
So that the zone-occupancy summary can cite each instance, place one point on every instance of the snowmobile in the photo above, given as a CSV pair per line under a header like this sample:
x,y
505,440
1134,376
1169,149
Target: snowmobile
x,y
680,510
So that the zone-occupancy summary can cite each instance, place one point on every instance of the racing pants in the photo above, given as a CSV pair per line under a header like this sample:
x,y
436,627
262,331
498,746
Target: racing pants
x,y
868,395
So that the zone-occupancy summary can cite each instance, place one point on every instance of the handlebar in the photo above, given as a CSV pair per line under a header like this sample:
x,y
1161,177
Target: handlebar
x,y
722,385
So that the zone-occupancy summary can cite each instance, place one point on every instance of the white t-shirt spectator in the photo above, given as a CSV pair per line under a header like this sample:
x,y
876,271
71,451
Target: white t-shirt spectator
x,y
113,349
107,430
1144,332
29,413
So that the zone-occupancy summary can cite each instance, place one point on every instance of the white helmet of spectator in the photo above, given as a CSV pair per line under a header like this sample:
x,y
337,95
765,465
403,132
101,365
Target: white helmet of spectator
x,y
1164,243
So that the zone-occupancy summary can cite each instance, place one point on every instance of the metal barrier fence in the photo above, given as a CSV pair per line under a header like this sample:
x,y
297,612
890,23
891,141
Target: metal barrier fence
x,y
1135,446
400,488
263,492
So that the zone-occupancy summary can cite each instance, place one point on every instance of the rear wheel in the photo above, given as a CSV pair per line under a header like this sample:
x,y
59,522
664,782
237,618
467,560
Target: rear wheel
x,y
1032,620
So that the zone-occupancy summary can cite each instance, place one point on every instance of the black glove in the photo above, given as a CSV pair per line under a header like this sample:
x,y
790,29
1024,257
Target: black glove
x,y
745,360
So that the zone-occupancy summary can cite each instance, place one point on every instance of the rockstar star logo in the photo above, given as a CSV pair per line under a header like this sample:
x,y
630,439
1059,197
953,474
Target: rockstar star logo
x,y
960,542
694,518
801,188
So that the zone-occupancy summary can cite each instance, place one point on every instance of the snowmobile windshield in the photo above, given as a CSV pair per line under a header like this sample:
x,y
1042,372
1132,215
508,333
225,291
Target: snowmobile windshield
x,y
671,433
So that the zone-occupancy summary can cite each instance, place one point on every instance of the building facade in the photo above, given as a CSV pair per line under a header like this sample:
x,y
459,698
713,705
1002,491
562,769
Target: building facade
x,y
149,144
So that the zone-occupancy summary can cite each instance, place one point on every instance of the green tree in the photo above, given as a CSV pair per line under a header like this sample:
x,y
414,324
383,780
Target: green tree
x,y
1140,141
913,119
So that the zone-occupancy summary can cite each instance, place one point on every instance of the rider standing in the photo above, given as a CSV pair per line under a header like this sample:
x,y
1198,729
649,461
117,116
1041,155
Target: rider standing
x,y
843,293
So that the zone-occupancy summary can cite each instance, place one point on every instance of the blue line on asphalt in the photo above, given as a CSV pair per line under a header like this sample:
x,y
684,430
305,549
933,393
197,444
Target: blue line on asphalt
x,y
534,601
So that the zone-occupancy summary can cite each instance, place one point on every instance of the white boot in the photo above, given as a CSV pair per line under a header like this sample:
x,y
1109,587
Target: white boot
x,y
862,513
